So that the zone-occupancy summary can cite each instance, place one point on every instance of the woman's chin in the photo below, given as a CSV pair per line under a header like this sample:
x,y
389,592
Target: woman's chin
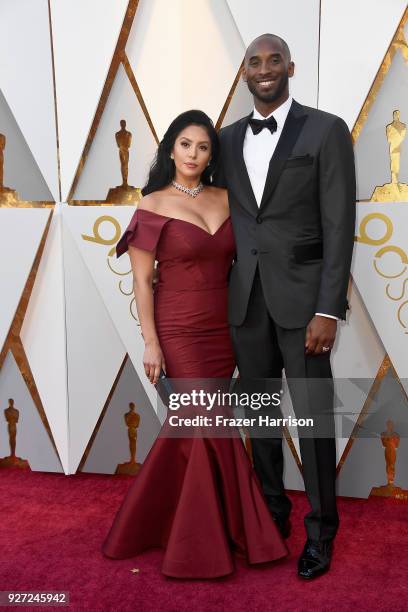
x,y
190,174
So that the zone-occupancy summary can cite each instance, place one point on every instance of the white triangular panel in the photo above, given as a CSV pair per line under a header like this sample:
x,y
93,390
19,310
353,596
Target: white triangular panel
x,y
384,290
156,36
84,36
44,340
356,359
241,104
111,444
372,149
21,171
94,350
190,70
365,464
21,230
219,57
296,22
102,167
32,441
27,80
358,352
355,35
115,288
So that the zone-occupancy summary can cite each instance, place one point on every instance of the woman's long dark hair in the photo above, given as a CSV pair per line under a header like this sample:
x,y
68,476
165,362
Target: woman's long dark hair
x,y
162,170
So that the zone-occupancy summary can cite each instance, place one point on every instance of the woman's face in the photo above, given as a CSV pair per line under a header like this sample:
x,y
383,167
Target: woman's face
x,y
191,151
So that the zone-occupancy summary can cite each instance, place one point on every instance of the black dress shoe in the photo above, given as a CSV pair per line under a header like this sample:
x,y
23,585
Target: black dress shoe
x,y
284,526
315,559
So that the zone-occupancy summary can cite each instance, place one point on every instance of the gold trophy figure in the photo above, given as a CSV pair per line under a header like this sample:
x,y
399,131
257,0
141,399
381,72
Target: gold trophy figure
x,y
124,140
132,420
124,193
12,415
396,132
395,191
390,440
400,42
7,196
2,147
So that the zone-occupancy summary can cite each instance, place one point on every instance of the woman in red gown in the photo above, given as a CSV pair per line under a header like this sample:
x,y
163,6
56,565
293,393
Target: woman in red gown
x,y
196,497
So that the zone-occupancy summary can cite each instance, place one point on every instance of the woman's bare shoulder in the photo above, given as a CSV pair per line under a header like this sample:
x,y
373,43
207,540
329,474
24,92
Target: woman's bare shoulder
x,y
218,192
153,202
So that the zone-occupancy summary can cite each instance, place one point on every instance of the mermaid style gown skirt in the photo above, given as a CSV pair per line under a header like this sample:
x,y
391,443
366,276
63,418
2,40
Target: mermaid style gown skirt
x,y
197,498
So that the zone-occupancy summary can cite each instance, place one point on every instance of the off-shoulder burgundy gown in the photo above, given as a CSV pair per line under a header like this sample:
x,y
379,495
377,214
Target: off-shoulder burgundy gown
x,y
198,498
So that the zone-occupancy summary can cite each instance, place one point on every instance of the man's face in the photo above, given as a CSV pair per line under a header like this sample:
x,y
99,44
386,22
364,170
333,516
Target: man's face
x,y
267,70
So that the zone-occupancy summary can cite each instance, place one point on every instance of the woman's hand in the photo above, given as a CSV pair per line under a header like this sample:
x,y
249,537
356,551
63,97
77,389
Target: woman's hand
x,y
153,361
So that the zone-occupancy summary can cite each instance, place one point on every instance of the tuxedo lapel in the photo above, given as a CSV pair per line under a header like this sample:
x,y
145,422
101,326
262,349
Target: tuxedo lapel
x,y
290,133
242,181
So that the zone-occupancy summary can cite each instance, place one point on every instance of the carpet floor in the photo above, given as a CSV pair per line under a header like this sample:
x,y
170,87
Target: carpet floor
x,y
52,527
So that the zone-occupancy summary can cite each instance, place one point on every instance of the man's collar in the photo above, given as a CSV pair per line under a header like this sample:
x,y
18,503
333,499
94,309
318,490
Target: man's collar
x,y
279,113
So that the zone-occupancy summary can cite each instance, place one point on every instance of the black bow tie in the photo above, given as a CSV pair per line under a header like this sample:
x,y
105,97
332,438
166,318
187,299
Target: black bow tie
x,y
257,125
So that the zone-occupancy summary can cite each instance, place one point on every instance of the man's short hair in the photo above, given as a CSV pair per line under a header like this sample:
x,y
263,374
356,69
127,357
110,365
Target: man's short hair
x,y
285,46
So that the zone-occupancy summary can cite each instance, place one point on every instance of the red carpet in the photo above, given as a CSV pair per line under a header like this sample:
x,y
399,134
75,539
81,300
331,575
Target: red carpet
x,y
52,526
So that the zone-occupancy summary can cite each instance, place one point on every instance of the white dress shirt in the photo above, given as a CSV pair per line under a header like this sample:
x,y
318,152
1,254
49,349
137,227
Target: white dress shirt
x,y
258,150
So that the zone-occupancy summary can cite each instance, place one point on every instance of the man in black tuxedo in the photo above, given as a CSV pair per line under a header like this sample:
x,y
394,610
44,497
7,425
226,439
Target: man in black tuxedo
x,y
289,170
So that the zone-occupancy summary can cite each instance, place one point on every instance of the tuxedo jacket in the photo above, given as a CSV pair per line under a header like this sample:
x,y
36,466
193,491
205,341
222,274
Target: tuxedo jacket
x,y
302,234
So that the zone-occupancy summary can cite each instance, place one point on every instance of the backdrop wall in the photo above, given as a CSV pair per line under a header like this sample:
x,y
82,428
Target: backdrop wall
x,y
69,337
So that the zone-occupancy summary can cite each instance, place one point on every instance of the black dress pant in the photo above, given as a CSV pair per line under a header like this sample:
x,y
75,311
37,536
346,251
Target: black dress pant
x,y
263,349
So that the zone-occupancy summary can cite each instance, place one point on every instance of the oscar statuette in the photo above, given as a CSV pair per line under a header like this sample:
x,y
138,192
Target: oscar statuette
x,y
395,191
12,416
124,193
132,420
8,196
390,440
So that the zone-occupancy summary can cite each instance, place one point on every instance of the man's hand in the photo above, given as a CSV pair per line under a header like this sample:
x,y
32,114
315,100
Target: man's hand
x,y
320,335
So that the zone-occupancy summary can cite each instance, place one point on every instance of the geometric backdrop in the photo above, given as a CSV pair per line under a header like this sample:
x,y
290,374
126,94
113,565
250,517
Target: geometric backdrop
x,y
69,337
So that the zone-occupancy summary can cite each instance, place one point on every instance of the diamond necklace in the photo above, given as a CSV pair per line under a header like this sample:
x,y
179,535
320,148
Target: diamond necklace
x,y
191,192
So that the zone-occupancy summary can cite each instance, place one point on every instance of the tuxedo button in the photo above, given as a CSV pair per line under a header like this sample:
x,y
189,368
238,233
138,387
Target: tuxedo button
x,y
254,251
258,220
